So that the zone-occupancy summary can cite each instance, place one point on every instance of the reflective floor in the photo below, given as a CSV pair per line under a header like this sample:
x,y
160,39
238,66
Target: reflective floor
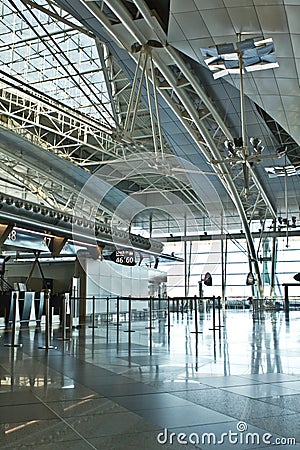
x,y
236,386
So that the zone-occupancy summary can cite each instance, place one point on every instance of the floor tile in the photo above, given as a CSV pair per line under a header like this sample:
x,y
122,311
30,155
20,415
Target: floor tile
x,y
227,381
262,390
150,401
21,413
184,415
288,402
232,404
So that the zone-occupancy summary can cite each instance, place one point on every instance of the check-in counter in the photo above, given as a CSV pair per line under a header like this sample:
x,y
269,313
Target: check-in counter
x,y
24,306
30,306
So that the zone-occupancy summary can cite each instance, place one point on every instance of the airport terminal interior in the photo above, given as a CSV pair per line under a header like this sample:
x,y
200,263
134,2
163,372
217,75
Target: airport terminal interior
x,y
149,224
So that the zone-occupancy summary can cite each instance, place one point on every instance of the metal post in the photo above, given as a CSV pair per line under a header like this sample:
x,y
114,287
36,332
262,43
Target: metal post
x,y
219,315
214,315
47,345
93,314
196,316
150,314
129,315
286,300
64,316
75,305
150,323
129,318
64,319
169,318
71,308
223,259
107,313
118,317
185,260
13,330
273,263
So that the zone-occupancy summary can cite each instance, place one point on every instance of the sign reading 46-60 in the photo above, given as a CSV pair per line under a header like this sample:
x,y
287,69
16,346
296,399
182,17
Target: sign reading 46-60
x,y
125,257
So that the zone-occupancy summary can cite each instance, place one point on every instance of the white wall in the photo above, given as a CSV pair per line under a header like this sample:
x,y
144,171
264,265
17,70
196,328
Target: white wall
x,y
108,279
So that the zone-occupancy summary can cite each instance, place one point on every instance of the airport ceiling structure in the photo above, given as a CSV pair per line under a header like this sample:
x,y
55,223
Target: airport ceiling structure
x,y
109,110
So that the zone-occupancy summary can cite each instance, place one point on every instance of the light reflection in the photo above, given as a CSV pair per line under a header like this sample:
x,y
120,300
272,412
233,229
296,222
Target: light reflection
x,y
70,386
24,381
83,401
20,427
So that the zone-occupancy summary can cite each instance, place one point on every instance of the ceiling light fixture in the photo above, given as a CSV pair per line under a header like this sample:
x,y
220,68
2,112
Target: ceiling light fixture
x,y
237,58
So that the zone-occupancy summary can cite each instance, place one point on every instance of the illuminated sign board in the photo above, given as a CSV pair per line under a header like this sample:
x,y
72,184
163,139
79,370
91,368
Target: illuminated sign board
x,y
125,257
28,239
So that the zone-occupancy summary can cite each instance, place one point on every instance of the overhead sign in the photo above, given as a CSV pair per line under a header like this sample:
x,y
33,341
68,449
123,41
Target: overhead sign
x,y
28,240
125,257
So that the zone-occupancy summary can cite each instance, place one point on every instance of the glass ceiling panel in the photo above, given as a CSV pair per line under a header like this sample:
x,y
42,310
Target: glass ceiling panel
x,y
50,53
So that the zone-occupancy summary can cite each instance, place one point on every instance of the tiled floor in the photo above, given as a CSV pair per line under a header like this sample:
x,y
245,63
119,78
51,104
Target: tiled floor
x,y
237,387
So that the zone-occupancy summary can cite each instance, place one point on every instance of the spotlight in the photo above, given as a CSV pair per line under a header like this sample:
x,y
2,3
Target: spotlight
x,y
136,47
230,146
255,142
238,142
154,43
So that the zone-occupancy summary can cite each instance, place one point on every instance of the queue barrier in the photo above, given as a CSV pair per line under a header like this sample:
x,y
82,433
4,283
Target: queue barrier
x,y
118,311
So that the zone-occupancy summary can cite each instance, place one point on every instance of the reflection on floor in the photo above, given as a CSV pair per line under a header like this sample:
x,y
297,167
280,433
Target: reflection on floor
x,y
234,387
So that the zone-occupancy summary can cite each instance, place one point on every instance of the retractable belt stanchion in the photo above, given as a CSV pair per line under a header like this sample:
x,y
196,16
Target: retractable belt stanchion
x,y
64,319
71,308
107,314
196,317
214,314
74,307
219,326
219,314
129,317
150,327
47,345
118,317
93,314
13,330
169,318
